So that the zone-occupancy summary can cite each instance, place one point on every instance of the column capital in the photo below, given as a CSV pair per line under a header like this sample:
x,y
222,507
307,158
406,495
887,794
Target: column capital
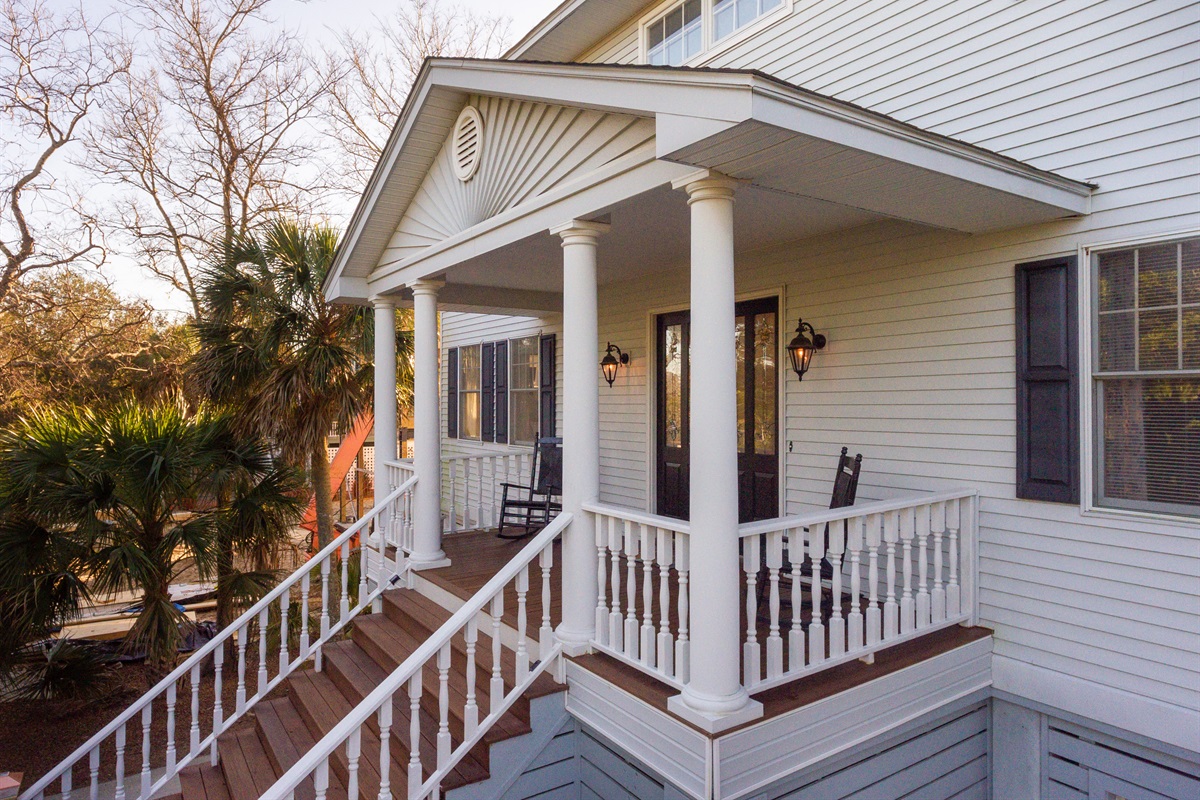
x,y
579,231
382,301
706,184
426,286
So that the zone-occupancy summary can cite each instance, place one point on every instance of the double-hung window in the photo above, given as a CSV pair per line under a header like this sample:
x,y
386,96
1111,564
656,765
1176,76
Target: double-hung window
x,y
523,390
1145,374
732,15
677,35
502,391
469,381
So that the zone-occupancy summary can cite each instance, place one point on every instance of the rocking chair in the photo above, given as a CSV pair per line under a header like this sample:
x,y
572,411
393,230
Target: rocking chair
x,y
530,508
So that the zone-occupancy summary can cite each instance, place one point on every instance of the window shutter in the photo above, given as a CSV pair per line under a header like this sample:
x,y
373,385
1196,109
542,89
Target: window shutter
x,y
487,385
1047,338
452,393
548,367
502,392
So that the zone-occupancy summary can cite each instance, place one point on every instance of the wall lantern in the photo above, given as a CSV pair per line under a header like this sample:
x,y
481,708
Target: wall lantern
x,y
610,362
801,349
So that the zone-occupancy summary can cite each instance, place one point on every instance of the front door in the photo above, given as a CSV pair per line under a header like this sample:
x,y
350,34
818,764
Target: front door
x,y
756,337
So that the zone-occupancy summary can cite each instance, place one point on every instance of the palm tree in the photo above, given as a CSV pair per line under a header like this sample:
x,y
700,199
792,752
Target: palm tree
x,y
99,498
270,345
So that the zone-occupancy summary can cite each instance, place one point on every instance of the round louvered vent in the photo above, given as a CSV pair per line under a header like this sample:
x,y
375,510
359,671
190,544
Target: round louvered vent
x,y
467,144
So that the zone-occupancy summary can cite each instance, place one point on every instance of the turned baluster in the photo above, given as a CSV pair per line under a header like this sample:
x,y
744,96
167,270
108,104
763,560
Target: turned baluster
x,y
616,621
497,685
171,751
648,649
795,538
471,709
854,543
631,620
120,784
666,645
385,750
774,639
443,735
261,689
816,627
353,753
953,599
751,654
146,717
285,600
364,569
908,606
602,523
218,706
522,583
682,645
65,786
922,534
94,773
837,623
874,621
318,661
194,730
414,735
242,639
937,523
546,632
891,610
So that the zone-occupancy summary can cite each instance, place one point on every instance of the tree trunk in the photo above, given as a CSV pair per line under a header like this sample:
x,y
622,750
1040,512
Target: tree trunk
x,y
324,498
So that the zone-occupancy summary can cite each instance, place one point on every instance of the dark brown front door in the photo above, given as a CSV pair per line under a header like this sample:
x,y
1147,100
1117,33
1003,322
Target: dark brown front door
x,y
756,336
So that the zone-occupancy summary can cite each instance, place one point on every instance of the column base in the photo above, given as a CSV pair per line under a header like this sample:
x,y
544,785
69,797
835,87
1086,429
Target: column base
x,y
716,719
574,643
423,561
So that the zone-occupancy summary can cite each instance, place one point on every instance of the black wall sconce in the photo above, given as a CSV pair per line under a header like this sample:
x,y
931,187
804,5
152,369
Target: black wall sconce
x,y
801,349
610,362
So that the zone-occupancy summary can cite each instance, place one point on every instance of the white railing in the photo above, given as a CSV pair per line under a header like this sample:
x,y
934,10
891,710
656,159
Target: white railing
x,y
371,721
400,522
861,605
472,487
256,623
646,624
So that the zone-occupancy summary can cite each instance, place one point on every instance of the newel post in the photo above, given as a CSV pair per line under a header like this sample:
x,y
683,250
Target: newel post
x,y
581,431
427,430
714,697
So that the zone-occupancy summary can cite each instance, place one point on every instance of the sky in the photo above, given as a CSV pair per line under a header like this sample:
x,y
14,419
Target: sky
x,y
317,20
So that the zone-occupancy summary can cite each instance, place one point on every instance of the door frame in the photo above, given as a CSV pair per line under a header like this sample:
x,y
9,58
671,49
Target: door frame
x,y
651,340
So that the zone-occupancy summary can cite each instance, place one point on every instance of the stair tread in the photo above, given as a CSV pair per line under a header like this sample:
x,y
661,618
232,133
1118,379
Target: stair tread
x,y
245,765
287,739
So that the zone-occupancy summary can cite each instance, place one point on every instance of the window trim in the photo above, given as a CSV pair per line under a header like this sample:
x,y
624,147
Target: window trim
x,y
535,390
1087,349
708,48
508,391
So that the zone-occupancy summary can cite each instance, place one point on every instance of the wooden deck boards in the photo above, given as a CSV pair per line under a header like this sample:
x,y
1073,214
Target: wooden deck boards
x,y
477,555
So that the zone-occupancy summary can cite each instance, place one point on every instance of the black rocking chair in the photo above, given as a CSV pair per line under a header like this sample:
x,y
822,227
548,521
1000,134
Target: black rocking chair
x,y
530,508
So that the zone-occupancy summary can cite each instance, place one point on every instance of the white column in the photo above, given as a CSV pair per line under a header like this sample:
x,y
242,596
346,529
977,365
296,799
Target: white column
x,y
580,431
427,430
714,697
385,391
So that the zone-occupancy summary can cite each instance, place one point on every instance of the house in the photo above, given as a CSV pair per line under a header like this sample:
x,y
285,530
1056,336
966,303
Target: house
x,y
990,210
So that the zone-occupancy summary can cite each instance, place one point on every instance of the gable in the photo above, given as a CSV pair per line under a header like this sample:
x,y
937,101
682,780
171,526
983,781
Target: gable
x,y
526,150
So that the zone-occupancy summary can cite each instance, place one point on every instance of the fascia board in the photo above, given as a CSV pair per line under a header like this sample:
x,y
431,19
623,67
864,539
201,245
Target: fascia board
x,y
894,140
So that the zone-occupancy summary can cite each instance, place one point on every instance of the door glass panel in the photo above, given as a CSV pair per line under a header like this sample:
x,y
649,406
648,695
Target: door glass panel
x,y
673,388
739,329
765,380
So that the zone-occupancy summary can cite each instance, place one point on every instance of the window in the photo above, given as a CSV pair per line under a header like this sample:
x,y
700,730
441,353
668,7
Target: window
x,y
676,36
502,391
1145,310
731,15
523,390
677,33
468,392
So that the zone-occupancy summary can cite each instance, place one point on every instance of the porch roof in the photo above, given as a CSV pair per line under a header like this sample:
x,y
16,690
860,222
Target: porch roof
x,y
775,136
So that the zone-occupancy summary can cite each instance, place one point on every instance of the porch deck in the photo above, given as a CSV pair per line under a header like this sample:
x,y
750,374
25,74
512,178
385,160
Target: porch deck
x,y
476,555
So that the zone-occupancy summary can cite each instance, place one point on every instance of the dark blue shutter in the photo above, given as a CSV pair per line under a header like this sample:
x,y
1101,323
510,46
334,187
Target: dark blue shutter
x,y
502,392
548,371
452,393
487,385
1047,338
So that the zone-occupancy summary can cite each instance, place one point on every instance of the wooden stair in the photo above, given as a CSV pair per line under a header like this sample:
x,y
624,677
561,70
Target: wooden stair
x,y
277,732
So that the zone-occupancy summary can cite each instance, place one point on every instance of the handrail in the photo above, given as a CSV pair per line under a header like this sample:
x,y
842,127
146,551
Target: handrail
x,y
846,512
258,610
640,517
316,761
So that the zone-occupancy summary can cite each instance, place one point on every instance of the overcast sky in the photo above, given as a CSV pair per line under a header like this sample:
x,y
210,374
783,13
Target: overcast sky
x,y
316,19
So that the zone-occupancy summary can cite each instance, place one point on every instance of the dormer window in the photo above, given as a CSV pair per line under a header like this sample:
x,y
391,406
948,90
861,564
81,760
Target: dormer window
x,y
690,32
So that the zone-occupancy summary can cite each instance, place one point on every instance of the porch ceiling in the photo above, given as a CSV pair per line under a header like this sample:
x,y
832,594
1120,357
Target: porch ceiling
x,y
812,164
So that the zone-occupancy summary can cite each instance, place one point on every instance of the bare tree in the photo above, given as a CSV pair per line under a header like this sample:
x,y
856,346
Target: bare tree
x,y
210,134
371,72
54,66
